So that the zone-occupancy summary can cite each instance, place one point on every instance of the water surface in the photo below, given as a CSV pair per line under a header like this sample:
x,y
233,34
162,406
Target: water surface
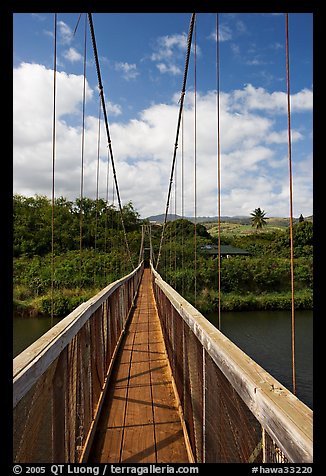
x,y
266,337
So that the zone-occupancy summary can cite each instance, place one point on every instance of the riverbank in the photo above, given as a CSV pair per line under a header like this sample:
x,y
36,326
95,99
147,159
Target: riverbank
x,y
208,302
64,302
67,300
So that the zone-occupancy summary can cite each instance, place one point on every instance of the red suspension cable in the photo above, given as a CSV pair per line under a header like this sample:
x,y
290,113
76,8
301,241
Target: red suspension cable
x,y
291,201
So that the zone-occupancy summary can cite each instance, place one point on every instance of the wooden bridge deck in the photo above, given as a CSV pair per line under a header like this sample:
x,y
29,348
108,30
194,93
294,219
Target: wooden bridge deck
x,y
140,421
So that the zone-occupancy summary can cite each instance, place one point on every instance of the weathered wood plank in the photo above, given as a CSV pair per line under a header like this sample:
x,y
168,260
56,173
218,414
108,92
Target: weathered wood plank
x,y
139,444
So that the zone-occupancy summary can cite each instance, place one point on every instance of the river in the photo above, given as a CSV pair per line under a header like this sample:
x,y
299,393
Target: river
x,y
264,336
27,330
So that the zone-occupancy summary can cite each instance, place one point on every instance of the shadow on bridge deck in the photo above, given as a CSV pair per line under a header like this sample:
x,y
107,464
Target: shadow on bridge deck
x,y
140,421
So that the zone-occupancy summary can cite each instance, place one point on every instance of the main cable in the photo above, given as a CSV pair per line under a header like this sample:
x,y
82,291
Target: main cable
x,y
218,168
195,165
183,92
97,182
291,201
82,154
53,161
100,86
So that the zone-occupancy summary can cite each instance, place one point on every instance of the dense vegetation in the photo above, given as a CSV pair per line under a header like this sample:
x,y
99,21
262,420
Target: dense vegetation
x,y
88,253
258,281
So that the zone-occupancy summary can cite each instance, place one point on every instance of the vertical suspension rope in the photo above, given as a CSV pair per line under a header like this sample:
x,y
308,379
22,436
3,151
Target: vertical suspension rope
x,y
182,199
53,160
106,207
141,249
291,201
195,161
97,179
175,228
113,224
82,157
218,168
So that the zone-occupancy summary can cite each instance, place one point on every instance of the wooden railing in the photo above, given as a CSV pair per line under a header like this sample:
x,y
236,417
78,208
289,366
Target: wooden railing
x,y
234,411
60,380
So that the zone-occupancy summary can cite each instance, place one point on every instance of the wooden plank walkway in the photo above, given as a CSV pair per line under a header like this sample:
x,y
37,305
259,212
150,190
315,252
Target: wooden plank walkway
x,y
140,421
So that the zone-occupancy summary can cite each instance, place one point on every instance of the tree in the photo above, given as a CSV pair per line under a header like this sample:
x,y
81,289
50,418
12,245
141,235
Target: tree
x,y
258,219
301,219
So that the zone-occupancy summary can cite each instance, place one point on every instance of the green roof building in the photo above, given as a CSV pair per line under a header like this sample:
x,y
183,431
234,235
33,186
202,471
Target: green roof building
x,y
226,250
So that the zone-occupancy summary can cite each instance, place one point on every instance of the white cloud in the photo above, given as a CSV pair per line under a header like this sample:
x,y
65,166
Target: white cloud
x,y
241,27
235,49
251,98
281,137
277,46
129,71
72,55
171,68
168,45
254,172
32,125
169,54
302,101
224,33
65,32
113,109
38,16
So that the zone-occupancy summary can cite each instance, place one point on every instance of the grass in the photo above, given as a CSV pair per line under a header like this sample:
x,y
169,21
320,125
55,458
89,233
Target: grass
x,y
64,301
238,229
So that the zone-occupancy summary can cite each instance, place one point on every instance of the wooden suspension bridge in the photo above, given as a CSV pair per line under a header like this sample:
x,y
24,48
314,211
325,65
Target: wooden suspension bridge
x,y
137,375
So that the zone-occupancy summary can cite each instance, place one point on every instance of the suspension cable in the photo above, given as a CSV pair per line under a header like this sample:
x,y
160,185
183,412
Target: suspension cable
x,y
182,198
175,227
195,162
218,168
82,153
291,202
97,180
107,207
100,86
53,159
183,92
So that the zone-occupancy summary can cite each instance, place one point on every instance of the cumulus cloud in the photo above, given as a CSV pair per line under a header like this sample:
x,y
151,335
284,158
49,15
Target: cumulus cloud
x,y
281,137
167,46
169,53
224,33
65,32
72,55
251,98
32,125
171,68
129,71
253,150
113,109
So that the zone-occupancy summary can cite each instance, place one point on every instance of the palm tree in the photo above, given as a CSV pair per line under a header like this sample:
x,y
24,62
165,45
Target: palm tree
x,y
258,218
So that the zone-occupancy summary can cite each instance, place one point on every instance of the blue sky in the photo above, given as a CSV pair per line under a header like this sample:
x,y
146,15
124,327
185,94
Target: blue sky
x,y
142,58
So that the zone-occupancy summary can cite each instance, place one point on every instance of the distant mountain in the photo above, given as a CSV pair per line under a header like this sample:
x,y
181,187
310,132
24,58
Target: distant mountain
x,y
239,219
172,217
160,218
